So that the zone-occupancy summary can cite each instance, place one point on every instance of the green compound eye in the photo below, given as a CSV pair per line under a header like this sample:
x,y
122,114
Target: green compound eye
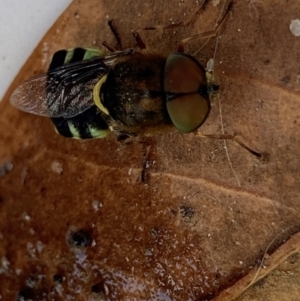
x,y
185,88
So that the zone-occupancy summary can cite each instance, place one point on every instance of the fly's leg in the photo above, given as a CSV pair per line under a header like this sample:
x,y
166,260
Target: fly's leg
x,y
139,40
116,34
182,23
125,137
109,47
208,34
188,22
114,30
117,37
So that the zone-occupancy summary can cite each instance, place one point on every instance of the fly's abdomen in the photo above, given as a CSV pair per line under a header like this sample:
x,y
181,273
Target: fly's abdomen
x,y
89,124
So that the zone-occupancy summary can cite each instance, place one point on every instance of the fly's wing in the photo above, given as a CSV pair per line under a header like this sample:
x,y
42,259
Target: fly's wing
x,y
48,95
65,91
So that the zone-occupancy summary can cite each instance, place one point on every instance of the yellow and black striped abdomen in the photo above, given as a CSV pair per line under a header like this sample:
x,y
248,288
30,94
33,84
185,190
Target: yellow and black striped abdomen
x,y
89,124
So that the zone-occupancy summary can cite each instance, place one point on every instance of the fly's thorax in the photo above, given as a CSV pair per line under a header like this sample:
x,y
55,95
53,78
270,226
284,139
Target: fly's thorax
x,y
133,91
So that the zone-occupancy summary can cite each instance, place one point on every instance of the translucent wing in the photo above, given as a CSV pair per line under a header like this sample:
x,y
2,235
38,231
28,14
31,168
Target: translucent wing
x,y
43,97
65,91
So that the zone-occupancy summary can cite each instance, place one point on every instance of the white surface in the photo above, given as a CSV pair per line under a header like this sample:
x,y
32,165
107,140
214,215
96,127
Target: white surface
x,y
23,23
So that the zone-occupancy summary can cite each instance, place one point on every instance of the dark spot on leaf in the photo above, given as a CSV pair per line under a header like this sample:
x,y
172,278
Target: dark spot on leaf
x,y
285,80
43,189
57,279
79,238
187,211
218,275
26,293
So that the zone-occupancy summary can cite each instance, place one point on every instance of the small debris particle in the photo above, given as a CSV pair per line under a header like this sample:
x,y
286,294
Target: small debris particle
x,y
31,282
5,263
153,233
39,246
210,65
56,167
31,250
96,205
80,256
26,217
215,3
5,168
295,27
148,252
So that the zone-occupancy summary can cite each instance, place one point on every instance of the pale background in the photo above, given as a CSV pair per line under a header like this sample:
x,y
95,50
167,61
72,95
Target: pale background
x,y
22,25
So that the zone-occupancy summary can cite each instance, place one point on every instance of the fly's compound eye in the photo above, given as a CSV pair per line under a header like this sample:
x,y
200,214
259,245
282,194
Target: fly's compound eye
x,y
185,88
